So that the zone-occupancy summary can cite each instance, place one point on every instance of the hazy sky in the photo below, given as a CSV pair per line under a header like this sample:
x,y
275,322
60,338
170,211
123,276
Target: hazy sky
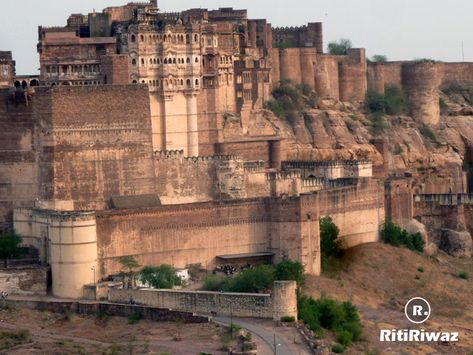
x,y
400,29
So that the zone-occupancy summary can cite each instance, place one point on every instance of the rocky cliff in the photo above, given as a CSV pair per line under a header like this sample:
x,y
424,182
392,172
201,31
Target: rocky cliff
x,y
437,157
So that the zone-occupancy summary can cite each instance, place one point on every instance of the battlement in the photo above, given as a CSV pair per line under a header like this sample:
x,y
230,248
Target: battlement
x,y
302,164
179,154
283,175
254,166
445,199
288,29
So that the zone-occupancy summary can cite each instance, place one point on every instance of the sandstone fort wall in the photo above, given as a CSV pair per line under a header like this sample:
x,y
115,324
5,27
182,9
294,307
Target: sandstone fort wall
x,y
282,301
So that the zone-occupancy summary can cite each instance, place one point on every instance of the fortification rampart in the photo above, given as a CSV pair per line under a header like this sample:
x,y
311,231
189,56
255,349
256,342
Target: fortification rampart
x,y
282,302
26,280
421,81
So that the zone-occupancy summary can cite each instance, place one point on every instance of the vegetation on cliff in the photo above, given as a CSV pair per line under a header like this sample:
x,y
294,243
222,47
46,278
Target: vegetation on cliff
x,y
396,236
327,314
289,100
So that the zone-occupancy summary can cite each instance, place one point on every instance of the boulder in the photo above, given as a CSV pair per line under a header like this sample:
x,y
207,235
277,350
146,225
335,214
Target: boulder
x,y
458,244
413,227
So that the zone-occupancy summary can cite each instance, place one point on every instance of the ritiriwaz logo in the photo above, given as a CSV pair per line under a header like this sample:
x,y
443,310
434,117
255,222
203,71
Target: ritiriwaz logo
x,y
417,311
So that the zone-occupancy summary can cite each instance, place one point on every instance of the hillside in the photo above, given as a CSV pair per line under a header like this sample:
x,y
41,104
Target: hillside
x,y
324,129
380,279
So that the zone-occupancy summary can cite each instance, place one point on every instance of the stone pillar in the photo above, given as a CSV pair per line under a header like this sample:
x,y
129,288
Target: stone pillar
x,y
192,127
284,299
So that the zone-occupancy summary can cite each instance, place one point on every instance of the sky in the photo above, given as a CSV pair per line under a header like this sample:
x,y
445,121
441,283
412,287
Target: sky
x,y
399,29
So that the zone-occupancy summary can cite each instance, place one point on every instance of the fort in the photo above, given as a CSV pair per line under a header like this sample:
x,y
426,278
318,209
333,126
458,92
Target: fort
x,y
146,135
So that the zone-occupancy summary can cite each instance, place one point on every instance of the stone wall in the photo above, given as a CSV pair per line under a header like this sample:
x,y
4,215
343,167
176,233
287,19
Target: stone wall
x,y
73,148
114,310
421,81
358,210
282,302
18,158
30,281
452,211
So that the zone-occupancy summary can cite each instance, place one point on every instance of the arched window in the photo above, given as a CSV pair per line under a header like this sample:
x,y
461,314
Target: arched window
x,y
150,60
143,82
196,82
34,82
196,38
197,59
188,39
188,83
142,61
134,82
155,61
133,38
174,61
188,60
182,82
142,38
133,61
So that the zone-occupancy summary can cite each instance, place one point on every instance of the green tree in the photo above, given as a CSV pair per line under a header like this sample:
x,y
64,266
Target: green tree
x,y
9,246
254,280
379,58
162,276
330,245
339,47
290,270
129,264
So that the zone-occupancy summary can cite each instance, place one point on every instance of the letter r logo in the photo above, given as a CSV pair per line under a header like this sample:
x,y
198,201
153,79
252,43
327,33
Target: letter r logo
x,y
417,310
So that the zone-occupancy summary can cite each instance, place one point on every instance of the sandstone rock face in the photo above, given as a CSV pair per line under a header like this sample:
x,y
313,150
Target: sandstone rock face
x,y
458,244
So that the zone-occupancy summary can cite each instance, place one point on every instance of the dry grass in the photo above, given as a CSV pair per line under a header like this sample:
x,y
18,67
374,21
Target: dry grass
x,y
380,279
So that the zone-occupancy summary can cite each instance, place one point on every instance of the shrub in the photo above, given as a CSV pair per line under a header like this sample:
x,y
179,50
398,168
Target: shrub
x,y
12,338
464,275
396,236
288,319
252,280
420,269
9,246
443,105
215,283
134,318
163,276
339,47
330,245
344,337
378,123
338,348
290,270
392,102
379,58
428,133
326,313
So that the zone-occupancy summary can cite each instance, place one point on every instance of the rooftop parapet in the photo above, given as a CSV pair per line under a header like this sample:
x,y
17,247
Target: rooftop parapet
x,y
323,163
179,154
445,199
254,166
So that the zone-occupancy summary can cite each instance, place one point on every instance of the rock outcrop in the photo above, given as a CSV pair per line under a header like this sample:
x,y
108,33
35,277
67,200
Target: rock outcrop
x,y
458,244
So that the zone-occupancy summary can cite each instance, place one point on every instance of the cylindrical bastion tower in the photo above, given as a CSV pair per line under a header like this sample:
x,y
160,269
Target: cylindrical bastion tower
x,y
73,252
